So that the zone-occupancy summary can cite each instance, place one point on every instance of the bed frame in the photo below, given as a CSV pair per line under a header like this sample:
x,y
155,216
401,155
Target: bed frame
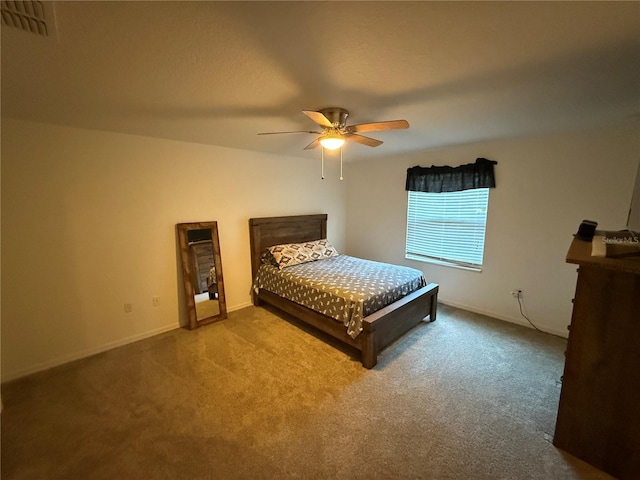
x,y
380,329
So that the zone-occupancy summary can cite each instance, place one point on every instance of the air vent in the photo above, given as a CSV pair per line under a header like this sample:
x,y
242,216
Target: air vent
x,y
31,16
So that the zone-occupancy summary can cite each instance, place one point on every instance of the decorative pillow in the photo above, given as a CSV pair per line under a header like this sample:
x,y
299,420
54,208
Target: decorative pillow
x,y
267,258
295,253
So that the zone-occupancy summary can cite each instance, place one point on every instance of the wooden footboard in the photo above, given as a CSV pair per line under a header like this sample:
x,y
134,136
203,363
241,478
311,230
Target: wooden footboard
x,y
383,327
380,329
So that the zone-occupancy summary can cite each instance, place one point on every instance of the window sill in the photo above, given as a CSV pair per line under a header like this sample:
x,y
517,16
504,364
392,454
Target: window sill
x,y
443,263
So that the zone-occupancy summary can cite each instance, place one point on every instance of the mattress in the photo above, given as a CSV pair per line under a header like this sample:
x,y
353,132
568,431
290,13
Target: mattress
x,y
342,287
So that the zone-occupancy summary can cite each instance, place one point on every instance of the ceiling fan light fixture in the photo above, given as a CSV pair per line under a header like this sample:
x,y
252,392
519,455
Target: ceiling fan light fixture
x,y
335,132
332,142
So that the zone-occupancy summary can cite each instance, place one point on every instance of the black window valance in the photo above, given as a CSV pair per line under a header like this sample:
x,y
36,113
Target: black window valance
x,y
451,179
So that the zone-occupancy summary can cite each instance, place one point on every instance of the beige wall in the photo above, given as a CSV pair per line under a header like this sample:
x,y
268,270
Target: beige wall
x,y
88,224
545,187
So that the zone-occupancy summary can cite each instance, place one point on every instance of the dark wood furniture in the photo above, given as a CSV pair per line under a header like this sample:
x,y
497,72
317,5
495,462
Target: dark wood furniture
x,y
213,290
202,253
379,329
599,410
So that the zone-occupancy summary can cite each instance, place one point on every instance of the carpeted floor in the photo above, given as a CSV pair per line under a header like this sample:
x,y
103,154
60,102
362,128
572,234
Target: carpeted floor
x,y
258,397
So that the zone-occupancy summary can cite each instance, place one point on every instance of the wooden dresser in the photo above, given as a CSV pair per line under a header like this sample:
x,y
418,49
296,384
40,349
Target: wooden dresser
x,y
599,410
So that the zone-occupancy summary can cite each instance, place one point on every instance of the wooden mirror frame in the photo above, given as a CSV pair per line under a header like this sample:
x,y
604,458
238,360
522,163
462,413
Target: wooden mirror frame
x,y
188,266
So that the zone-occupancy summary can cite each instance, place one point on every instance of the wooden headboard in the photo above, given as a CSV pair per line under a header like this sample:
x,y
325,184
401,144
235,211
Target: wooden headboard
x,y
268,231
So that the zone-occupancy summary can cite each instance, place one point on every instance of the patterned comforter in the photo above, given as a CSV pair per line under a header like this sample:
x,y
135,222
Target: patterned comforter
x,y
341,287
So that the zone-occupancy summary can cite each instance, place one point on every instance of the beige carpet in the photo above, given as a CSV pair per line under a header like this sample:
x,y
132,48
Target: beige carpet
x,y
257,397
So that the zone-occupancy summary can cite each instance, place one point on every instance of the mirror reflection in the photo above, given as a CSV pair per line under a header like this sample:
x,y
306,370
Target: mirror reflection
x,y
202,272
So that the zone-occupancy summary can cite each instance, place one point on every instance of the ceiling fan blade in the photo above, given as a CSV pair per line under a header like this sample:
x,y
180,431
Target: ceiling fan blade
x,y
319,118
278,133
378,126
314,144
368,141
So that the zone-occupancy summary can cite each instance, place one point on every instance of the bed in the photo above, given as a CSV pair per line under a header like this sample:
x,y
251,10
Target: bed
x,y
378,329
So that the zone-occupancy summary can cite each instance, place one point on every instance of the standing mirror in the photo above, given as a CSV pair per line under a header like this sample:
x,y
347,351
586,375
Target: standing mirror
x,y
202,272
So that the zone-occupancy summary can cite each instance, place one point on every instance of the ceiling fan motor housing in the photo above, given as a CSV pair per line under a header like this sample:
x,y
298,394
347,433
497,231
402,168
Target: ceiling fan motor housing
x,y
336,115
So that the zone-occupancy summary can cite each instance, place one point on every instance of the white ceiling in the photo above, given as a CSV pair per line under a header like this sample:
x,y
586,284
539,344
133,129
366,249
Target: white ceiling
x,y
220,72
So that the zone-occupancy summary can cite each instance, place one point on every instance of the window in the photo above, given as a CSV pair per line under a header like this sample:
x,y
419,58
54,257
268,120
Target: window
x,y
447,228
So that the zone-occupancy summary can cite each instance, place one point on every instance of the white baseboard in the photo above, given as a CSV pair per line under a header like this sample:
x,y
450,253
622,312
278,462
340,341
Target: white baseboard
x,y
8,376
516,320
240,307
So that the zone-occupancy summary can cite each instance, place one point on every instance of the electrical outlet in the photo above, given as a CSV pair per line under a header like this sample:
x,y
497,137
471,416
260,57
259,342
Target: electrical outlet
x,y
516,293
156,301
128,307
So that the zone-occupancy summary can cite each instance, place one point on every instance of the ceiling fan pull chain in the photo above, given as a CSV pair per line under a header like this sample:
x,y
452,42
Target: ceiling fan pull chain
x,y
322,162
341,164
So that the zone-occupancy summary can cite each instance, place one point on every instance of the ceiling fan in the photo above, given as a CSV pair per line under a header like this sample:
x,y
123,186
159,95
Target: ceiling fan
x,y
335,131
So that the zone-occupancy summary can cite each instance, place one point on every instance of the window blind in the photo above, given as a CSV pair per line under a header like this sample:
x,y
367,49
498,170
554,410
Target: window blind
x,y
447,227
